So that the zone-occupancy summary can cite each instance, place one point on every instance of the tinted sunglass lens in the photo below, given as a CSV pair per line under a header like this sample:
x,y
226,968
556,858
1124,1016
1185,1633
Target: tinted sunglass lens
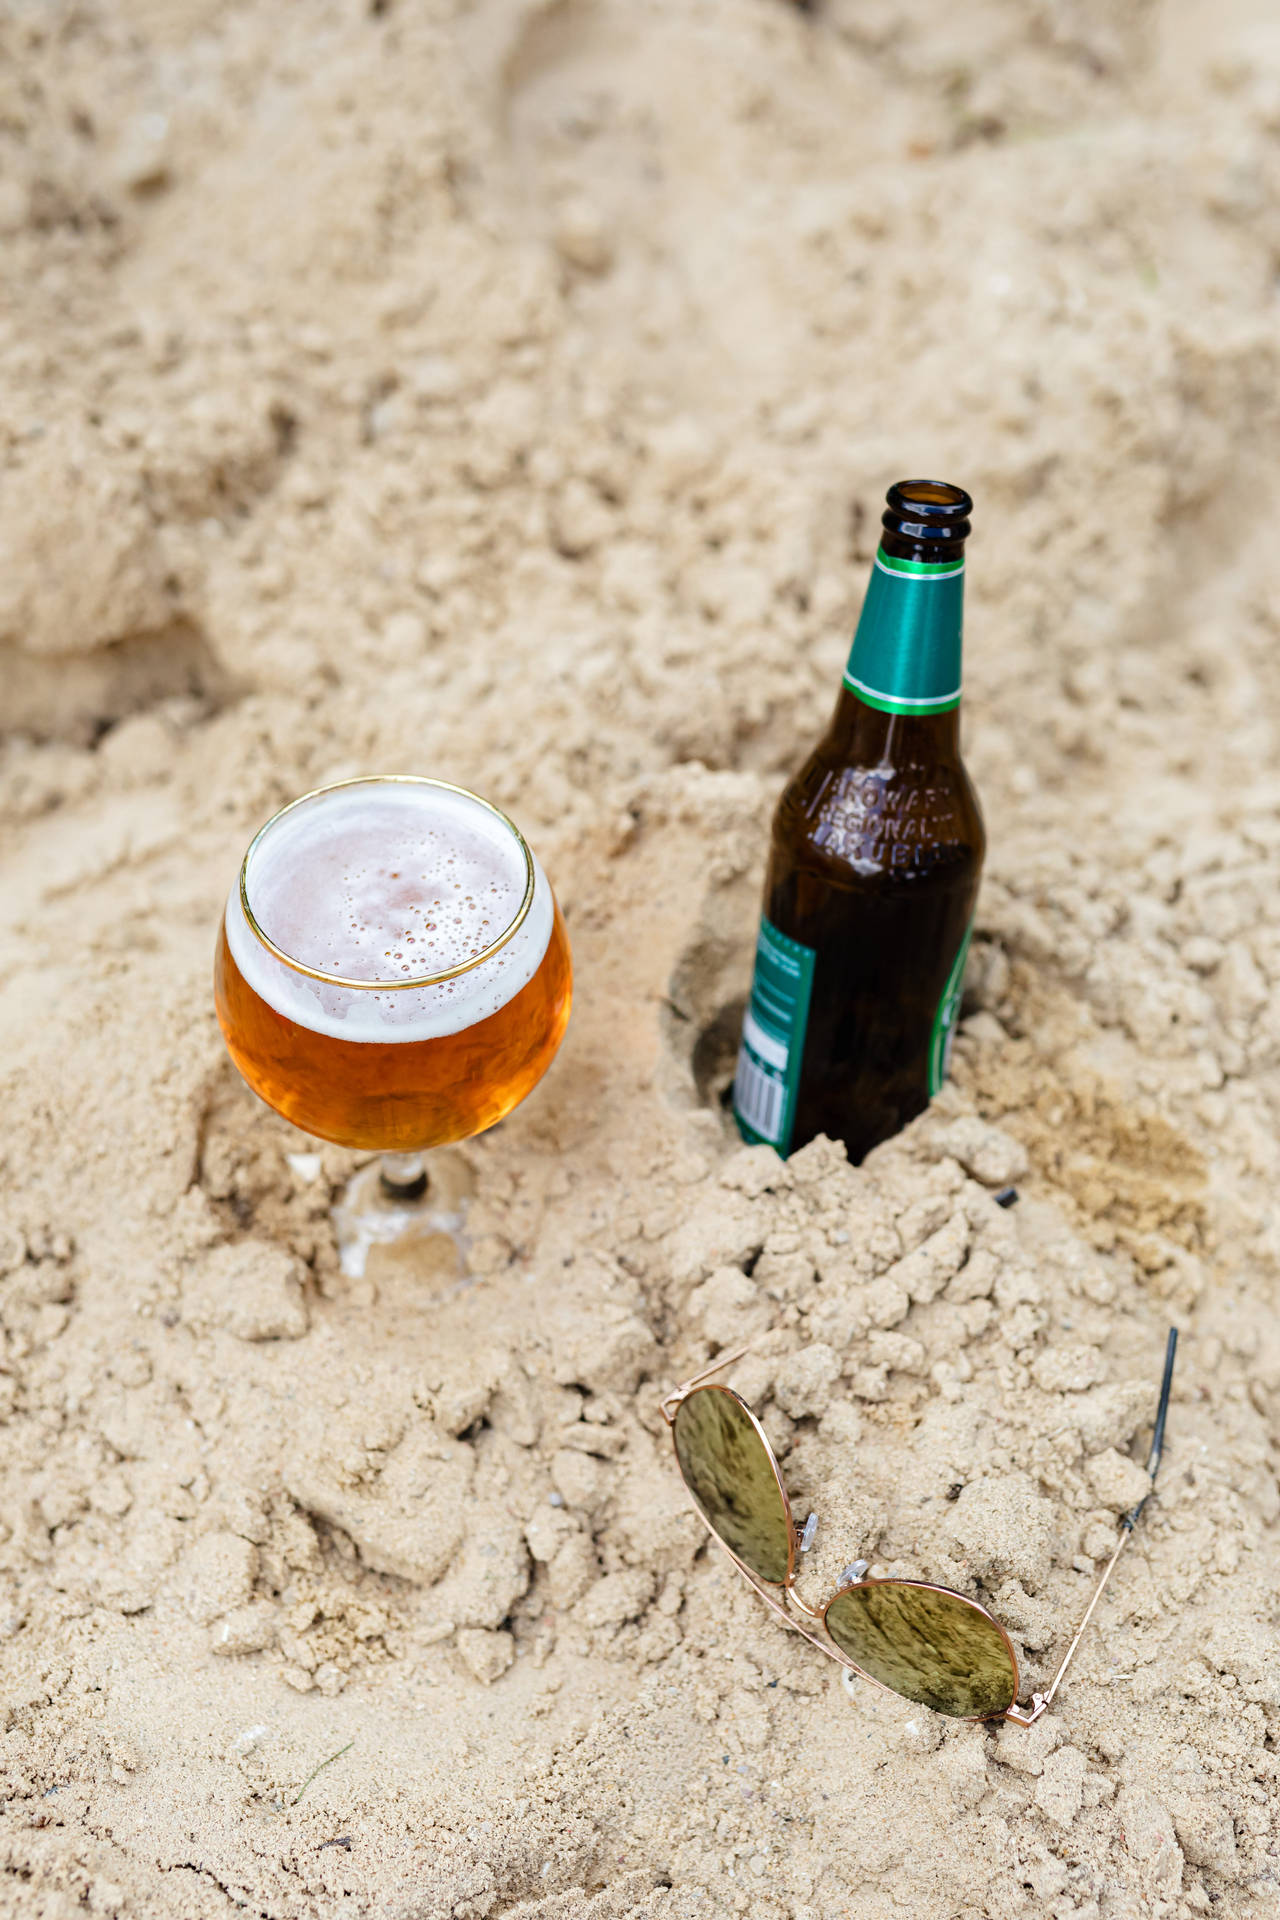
x,y
728,1471
935,1648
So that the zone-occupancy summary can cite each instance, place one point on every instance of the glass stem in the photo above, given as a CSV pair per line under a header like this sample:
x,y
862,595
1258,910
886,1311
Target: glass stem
x,y
403,1176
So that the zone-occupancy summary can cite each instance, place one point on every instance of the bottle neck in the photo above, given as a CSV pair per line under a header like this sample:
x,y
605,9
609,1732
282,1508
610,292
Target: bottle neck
x,y
905,662
865,736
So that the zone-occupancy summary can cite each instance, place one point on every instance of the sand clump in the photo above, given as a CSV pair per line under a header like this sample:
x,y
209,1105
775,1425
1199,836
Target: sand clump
x,y
506,392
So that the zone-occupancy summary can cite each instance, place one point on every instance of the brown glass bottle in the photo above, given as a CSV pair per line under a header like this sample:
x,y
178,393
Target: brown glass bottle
x,y
874,865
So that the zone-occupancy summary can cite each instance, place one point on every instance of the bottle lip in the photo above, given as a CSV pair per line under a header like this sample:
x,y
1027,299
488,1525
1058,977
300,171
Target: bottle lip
x,y
927,510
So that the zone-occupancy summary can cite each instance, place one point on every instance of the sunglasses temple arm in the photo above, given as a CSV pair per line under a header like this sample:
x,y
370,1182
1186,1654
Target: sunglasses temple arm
x,y
1127,1525
1157,1435
672,1400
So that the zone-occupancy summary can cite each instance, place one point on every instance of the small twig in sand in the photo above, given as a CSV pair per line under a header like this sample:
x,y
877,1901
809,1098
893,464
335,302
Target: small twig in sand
x,y
320,1769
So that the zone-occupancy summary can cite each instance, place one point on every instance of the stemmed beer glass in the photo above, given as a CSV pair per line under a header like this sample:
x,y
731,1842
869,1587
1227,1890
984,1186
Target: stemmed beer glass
x,y
393,971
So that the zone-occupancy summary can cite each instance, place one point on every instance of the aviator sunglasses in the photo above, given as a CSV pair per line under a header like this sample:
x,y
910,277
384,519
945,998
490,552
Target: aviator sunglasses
x,y
933,1646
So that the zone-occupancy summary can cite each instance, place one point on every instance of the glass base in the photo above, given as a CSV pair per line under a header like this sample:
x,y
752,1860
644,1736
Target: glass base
x,y
403,1176
374,1212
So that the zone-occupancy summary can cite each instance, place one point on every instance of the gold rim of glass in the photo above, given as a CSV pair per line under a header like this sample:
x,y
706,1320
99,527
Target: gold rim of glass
x,y
421,979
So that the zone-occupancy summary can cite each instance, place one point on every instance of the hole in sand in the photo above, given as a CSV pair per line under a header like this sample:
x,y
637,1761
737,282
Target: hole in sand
x,y
715,1054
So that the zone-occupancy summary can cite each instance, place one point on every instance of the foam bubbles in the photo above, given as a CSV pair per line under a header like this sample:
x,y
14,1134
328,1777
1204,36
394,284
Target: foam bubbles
x,y
380,883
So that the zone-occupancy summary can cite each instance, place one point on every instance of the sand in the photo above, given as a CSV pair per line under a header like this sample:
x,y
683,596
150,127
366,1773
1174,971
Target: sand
x,y
507,392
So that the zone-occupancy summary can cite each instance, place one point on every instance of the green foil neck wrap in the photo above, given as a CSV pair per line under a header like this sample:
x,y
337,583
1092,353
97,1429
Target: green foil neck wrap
x,y
905,656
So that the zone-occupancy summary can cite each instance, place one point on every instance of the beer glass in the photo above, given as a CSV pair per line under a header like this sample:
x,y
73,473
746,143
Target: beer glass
x,y
392,971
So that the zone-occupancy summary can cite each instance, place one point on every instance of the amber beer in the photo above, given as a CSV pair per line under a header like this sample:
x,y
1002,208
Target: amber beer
x,y
392,970
874,865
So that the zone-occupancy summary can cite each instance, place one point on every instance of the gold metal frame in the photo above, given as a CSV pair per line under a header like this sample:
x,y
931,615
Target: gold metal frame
x,y
781,1601
931,1586
783,1495
419,980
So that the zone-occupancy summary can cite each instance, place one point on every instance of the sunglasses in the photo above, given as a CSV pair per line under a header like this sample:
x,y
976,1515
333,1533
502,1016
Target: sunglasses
x,y
933,1646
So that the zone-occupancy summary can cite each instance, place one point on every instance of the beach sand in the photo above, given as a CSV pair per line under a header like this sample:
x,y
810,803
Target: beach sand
x,y
507,392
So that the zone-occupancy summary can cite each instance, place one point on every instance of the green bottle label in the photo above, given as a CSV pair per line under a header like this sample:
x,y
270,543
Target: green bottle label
x,y
772,1051
905,656
944,1020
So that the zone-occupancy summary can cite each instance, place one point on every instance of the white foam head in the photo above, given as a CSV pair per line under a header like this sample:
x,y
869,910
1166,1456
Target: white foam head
x,y
383,881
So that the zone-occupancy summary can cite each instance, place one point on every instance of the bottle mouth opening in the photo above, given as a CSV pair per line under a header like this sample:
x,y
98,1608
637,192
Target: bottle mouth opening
x,y
927,510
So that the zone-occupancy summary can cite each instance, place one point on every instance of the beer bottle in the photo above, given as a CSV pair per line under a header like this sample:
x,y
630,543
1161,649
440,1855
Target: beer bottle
x,y
873,869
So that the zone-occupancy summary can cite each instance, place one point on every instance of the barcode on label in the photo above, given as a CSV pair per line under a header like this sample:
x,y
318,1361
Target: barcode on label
x,y
767,1082
758,1098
